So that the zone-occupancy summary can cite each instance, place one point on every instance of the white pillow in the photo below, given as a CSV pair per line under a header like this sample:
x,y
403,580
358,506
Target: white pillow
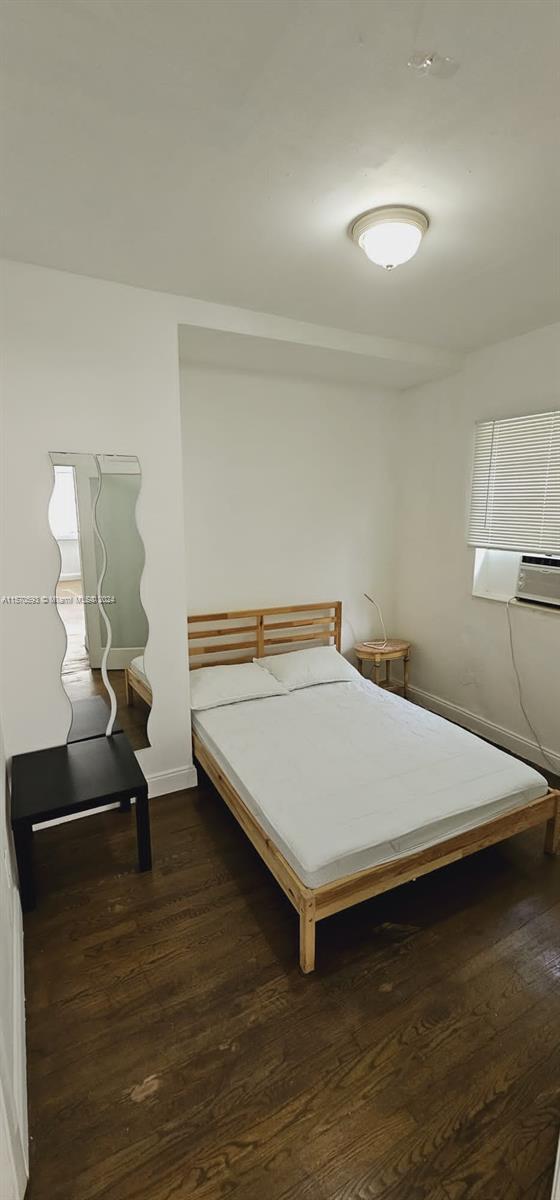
x,y
214,686
305,668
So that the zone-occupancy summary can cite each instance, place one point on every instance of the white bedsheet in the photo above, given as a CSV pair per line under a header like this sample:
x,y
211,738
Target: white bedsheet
x,y
344,776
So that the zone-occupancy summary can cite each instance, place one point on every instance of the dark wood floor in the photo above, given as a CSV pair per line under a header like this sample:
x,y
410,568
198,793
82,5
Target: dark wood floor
x,y
81,683
176,1052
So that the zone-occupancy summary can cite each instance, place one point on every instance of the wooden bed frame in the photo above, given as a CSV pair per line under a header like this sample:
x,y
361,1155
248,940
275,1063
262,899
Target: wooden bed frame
x,y
134,685
256,631
292,627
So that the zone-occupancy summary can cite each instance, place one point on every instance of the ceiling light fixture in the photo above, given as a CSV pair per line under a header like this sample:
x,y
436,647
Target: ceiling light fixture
x,y
389,236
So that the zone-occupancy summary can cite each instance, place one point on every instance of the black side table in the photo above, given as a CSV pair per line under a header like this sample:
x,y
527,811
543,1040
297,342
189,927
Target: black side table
x,y
70,779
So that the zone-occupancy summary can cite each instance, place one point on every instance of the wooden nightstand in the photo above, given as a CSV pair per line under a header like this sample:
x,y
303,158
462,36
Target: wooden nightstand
x,y
395,649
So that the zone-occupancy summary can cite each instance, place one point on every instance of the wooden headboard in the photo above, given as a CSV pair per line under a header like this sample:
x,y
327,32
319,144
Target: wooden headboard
x,y
238,637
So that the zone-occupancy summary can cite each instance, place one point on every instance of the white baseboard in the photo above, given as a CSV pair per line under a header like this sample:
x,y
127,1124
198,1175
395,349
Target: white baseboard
x,y
88,812
174,780
118,658
524,747
160,784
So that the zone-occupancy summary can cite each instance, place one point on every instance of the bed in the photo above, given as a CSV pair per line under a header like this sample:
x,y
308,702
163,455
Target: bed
x,y
136,682
282,765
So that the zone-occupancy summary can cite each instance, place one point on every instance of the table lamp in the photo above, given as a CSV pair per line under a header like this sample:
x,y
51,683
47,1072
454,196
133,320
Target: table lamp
x,y
379,643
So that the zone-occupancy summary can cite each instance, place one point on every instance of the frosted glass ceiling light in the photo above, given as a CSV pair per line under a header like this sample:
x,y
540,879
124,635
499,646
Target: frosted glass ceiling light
x,y
390,236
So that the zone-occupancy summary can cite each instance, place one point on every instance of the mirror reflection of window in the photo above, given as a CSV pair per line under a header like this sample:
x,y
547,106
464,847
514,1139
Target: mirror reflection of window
x,y
92,514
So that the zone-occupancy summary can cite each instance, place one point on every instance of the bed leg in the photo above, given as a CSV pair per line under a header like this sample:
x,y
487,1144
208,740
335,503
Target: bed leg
x,y
552,836
127,688
307,937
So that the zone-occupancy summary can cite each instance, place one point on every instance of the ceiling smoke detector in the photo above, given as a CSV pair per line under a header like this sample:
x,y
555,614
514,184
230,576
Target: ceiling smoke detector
x,y
389,236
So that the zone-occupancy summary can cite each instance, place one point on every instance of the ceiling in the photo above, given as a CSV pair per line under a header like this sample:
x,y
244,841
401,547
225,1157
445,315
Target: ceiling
x,y
224,349
219,149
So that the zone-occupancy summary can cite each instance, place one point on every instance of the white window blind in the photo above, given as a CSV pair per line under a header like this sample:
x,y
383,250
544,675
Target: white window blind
x,y
515,501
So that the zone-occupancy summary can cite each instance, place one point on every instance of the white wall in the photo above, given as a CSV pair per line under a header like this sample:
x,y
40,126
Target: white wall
x,y
289,493
461,652
93,367
13,1098
13,1102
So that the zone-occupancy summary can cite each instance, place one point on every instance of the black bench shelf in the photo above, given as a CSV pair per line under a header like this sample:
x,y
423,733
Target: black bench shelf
x,y
71,779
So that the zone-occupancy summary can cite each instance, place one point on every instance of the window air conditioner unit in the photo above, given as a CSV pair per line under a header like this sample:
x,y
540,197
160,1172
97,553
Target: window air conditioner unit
x,y
539,579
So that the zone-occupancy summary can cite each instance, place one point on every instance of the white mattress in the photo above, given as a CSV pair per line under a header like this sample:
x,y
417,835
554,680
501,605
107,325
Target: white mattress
x,y
343,776
137,665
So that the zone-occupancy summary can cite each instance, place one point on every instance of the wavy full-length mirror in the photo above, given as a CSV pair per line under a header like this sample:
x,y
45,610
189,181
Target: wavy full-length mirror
x,y
92,515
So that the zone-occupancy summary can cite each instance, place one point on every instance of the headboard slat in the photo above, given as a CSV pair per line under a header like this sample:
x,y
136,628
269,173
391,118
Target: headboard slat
x,y
267,612
321,624
225,646
303,623
326,635
206,633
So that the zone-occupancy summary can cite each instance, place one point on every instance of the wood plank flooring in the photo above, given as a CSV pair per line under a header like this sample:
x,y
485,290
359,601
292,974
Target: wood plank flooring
x,y
176,1052
82,683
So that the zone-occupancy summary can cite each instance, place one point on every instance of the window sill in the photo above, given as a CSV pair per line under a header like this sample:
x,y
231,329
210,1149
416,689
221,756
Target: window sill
x,y
547,609
495,577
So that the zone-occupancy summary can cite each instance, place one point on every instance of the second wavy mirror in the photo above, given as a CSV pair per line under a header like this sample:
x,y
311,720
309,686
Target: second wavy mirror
x,y
92,518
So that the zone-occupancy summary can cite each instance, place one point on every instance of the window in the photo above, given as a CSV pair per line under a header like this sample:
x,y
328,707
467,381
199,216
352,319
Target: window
x,y
515,500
